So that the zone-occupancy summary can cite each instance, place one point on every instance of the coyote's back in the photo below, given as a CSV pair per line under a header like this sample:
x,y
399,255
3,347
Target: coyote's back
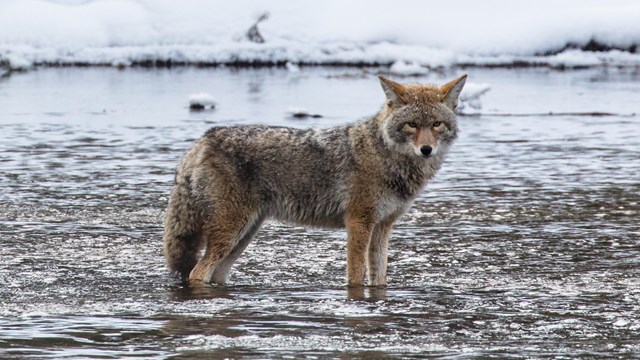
x,y
361,176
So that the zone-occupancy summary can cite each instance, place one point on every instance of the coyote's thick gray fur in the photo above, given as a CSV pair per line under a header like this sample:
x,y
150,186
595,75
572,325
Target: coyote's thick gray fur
x,y
361,176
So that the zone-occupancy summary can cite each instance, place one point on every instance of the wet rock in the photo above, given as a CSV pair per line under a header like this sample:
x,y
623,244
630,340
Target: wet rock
x,y
201,101
300,113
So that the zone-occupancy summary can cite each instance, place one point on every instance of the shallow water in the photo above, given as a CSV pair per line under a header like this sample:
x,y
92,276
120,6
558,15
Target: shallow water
x,y
526,245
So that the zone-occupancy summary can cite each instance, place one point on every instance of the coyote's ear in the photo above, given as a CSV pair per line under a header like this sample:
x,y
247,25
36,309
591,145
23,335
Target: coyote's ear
x,y
395,92
451,91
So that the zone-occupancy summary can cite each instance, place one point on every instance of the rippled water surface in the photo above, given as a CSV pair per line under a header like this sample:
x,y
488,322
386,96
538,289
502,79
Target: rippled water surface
x,y
526,245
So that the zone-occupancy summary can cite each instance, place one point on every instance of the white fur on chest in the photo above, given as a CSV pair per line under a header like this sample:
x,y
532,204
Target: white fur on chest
x,y
390,204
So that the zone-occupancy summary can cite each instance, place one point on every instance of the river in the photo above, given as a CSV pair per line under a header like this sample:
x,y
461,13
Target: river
x,y
527,243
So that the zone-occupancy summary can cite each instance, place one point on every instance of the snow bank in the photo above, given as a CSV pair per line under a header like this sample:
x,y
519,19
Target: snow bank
x,y
456,32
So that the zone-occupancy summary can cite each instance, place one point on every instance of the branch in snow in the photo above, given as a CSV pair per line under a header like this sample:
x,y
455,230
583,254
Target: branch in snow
x,y
253,34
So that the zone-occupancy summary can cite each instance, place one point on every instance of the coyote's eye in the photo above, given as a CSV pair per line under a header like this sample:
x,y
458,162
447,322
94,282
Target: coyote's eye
x,y
436,124
412,124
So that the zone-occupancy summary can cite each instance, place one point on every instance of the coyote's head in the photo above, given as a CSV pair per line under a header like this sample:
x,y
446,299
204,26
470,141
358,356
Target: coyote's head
x,y
419,119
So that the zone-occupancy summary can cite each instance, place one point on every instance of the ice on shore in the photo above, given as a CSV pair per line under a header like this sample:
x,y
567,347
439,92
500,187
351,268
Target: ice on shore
x,y
407,68
292,68
470,97
409,34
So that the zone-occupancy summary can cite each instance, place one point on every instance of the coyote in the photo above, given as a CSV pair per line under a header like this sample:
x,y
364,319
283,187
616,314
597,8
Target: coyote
x,y
362,176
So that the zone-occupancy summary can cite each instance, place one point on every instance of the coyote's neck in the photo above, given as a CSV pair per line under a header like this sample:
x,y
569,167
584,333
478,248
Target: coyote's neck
x,y
382,114
378,123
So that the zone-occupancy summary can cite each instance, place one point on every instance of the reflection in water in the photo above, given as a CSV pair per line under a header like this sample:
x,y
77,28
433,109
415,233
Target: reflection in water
x,y
526,245
199,291
368,293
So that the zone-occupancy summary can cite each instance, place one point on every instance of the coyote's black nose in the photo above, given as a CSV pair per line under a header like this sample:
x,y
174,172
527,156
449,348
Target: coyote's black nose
x,y
426,150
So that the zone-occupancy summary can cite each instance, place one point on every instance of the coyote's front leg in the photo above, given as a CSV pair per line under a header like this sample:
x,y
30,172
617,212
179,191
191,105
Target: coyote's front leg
x,y
359,230
378,253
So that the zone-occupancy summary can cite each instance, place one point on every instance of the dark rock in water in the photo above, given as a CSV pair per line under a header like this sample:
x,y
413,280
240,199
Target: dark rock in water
x,y
197,107
201,101
303,115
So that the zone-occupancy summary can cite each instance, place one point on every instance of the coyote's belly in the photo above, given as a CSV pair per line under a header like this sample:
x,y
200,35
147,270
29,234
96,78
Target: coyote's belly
x,y
319,209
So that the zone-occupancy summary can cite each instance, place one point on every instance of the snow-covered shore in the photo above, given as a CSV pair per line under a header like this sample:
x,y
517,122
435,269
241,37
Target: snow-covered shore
x,y
375,32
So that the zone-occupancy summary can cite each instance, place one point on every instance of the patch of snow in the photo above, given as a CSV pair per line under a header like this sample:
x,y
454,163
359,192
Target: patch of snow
x,y
407,68
470,96
201,101
410,34
292,68
15,61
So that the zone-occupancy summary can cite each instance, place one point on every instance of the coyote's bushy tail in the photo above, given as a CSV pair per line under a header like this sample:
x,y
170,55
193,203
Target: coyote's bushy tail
x,y
182,237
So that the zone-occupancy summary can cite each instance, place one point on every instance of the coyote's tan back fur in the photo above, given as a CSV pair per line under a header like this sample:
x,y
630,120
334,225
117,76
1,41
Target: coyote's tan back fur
x,y
361,176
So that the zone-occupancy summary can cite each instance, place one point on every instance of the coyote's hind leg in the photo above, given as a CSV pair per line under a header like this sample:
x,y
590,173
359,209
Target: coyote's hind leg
x,y
222,270
225,239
